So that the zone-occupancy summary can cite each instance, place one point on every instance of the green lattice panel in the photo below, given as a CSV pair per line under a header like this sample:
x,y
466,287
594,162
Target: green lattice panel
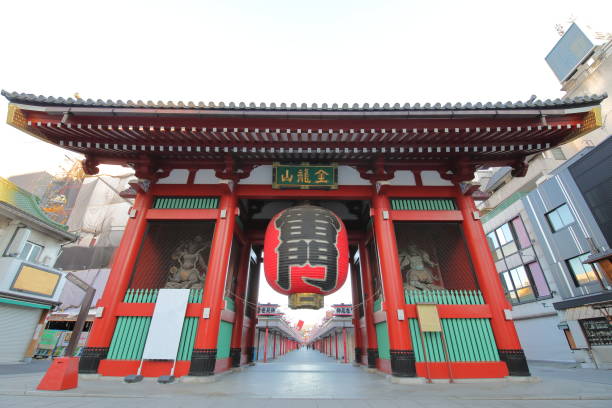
x,y
197,203
224,340
378,305
423,204
131,331
382,337
466,339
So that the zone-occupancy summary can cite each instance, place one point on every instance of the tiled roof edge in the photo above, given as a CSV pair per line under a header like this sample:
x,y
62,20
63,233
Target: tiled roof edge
x,y
532,103
39,212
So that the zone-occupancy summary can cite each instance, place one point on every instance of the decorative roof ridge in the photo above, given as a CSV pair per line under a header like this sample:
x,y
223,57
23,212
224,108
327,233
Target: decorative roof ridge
x,y
531,103
6,186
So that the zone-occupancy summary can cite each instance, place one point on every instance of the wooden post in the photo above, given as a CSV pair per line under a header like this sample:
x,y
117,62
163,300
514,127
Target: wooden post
x,y
344,342
403,362
204,355
274,346
355,285
507,340
266,346
239,303
336,335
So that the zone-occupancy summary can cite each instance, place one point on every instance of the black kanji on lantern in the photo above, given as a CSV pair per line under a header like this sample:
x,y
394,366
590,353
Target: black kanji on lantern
x,y
308,236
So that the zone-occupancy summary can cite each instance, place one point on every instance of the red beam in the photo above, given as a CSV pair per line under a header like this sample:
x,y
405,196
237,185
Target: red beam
x,y
419,191
146,309
182,214
192,190
265,192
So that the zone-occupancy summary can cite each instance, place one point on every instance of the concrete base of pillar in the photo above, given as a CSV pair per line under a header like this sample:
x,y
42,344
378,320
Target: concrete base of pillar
x,y
407,380
509,379
238,369
90,376
369,370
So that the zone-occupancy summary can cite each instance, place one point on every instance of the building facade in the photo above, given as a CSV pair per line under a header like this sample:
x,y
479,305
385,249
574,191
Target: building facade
x,y
582,63
571,213
29,285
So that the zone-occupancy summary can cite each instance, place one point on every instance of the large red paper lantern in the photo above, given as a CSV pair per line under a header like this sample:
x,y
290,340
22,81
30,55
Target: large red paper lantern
x,y
306,255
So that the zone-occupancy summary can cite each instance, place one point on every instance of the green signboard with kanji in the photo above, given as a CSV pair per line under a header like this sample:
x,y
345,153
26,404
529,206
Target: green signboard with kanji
x,y
305,176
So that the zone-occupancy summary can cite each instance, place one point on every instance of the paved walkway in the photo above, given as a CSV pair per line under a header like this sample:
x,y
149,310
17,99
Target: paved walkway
x,y
306,378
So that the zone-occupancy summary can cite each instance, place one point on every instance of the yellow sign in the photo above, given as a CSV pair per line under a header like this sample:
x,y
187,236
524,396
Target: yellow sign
x,y
34,280
429,320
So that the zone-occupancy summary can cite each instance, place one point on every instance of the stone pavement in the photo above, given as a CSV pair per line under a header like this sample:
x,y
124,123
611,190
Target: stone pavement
x,y
306,378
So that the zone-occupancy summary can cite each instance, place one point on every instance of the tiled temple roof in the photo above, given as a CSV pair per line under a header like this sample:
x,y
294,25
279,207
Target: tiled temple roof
x,y
532,103
27,203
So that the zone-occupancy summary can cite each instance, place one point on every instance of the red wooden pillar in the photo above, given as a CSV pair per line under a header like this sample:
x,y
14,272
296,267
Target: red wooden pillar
x,y
368,296
103,328
402,356
266,347
253,294
356,315
336,335
344,342
274,346
507,340
204,354
243,271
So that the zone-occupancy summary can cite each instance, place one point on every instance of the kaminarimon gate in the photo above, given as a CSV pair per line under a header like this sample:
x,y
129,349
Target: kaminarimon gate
x,y
427,298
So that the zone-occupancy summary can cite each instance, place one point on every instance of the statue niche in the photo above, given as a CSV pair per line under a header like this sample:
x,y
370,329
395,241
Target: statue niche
x,y
191,257
419,271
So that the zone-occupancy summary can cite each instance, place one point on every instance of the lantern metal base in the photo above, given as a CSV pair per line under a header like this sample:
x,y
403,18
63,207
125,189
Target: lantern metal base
x,y
305,301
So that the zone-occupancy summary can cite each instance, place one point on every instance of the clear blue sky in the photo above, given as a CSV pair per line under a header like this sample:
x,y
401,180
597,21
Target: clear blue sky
x,y
278,51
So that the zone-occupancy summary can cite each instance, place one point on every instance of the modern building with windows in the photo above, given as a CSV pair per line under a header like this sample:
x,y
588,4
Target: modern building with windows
x,y
572,216
536,275
525,276
29,285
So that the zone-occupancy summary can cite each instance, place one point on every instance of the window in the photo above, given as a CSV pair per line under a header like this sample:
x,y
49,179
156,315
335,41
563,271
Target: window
x,y
518,285
501,242
560,217
537,276
598,332
526,282
30,252
521,233
582,273
495,247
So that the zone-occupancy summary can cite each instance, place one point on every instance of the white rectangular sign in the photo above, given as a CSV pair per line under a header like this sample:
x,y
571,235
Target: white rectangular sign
x,y
166,325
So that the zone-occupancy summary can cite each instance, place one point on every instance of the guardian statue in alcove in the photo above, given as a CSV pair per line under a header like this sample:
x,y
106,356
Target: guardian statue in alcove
x,y
190,272
418,269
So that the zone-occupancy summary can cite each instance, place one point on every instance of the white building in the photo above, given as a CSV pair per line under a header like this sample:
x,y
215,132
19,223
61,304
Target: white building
x,y
29,285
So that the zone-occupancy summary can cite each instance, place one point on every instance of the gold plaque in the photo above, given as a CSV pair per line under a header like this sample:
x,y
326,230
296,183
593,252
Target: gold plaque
x,y
305,301
429,320
37,281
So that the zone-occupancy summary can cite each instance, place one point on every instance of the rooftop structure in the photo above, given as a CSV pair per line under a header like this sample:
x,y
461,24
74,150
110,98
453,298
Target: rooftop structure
x,y
212,177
